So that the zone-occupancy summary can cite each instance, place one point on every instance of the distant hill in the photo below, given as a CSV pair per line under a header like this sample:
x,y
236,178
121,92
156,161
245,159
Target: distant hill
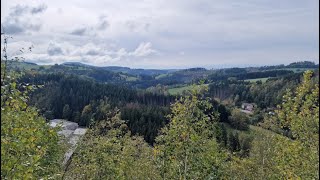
x,y
303,64
145,78
126,70
116,68
22,65
75,64
196,69
149,72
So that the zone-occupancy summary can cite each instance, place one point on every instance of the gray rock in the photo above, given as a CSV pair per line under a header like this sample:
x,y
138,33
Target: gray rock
x,y
71,132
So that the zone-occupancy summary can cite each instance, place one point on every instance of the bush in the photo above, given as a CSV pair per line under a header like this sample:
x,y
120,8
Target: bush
x,y
239,120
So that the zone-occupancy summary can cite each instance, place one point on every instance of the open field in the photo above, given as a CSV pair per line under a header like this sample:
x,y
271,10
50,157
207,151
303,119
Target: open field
x,y
258,79
129,78
179,90
162,76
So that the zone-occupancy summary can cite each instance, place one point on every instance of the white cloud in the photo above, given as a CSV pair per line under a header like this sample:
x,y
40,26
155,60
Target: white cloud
x,y
144,49
151,32
90,53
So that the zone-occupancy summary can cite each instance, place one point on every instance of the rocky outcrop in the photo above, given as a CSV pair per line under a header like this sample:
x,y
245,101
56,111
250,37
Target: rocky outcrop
x,y
71,132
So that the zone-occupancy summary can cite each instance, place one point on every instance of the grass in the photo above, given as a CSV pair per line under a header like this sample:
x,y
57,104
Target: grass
x,y
179,90
162,76
254,131
260,130
258,79
129,78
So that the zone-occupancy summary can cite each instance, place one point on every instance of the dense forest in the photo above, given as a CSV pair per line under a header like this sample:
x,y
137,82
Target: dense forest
x,y
137,129
267,94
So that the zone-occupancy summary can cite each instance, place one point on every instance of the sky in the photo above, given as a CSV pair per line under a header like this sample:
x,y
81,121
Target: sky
x,y
163,33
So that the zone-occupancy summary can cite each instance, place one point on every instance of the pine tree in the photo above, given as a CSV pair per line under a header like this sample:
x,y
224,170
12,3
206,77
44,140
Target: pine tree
x,y
66,113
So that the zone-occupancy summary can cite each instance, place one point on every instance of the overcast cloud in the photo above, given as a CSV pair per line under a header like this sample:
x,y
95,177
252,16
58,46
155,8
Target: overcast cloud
x,y
164,33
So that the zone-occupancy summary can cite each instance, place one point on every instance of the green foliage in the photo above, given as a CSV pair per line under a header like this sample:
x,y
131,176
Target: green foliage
x,y
221,134
267,94
86,116
48,114
77,92
186,148
257,117
144,120
66,113
181,90
300,114
245,146
234,142
259,164
243,74
30,149
109,152
239,120
300,111
159,89
303,64
257,80
274,156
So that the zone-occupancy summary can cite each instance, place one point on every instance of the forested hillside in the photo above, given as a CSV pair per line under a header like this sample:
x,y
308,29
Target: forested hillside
x,y
195,144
